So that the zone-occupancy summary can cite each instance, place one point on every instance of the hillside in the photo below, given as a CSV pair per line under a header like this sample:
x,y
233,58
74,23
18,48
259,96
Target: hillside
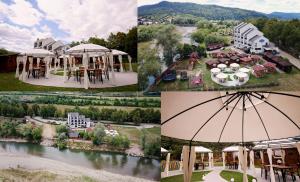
x,y
210,12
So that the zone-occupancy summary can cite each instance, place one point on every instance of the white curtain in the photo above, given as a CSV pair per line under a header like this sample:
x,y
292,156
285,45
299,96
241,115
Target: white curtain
x,y
262,156
129,60
30,63
23,77
283,155
121,64
167,164
298,147
17,70
252,166
38,61
270,154
244,164
47,59
223,156
111,60
240,157
65,68
210,160
55,68
85,64
94,62
188,162
202,157
180,164
104,61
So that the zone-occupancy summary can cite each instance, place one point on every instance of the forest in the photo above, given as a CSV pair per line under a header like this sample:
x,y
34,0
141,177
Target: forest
x,y
285,34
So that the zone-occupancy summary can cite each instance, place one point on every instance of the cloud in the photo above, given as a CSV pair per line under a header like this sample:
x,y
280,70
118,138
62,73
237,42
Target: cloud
x,y
20,12
84,18
18,39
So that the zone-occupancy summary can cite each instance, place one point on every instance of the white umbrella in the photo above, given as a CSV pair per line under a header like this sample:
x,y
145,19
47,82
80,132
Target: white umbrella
x,y
162,150
230,117
244,70
37,53
117,52
200,149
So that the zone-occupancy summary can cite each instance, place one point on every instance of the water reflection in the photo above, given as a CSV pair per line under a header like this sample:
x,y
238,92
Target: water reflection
x,y
109,161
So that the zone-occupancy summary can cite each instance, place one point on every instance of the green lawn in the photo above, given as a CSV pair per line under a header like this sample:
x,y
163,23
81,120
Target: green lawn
x,y
238,177
8,82
197,176
285,81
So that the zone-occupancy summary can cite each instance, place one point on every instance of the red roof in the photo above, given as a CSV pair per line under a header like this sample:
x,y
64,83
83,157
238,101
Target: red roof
x,y
258,68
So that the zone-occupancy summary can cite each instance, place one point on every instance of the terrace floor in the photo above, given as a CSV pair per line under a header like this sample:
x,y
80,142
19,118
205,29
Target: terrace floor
x,y
122,79
214,175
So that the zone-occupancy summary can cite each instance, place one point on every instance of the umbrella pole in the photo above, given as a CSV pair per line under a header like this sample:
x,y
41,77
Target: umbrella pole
x,y
189,162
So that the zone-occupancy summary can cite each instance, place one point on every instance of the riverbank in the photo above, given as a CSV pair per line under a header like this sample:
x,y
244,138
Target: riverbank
x,y
34,163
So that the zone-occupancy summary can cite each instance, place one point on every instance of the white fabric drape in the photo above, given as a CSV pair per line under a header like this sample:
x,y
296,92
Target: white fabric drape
x,y
65,68
23,77
180,164
30,63
188,162
121,64
38,60
104,61
283,155
167,164
85,64
223,156
17,69
111,60
202,157
298,147
210,160
262,156
129,60
244,165
55,62
47,60
252,166
94,62
240,158
270,154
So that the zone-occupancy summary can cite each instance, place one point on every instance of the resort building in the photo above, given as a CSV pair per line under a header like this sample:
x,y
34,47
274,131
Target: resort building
x,y
51,45
247,36
78,121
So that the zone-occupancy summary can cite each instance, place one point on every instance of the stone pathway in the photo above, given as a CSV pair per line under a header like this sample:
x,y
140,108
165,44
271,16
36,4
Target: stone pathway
x,y
122,79
214,176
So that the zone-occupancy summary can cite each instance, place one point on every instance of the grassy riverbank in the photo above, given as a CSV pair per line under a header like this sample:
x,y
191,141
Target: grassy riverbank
x,y
37,176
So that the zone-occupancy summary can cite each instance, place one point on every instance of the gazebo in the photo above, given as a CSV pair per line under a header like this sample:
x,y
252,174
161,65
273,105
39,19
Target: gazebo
x,y
236,152
27,57
215,71
203,151
120,54
87,51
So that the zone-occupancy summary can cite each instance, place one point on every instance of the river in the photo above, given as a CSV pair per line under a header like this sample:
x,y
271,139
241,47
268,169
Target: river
x,y
108,161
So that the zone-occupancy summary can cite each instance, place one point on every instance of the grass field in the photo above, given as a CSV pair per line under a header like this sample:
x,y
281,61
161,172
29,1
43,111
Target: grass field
x,y
12,175
8,82
238,177
286,81
197,176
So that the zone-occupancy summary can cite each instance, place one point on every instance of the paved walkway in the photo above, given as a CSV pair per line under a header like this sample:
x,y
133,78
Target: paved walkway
x,y
293,60
122,79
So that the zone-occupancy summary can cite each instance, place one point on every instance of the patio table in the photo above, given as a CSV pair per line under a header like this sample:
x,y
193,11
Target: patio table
x,y
282,168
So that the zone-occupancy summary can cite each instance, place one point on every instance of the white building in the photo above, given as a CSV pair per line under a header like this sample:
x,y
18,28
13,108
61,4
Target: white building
x,y
78,121
247,36
51,45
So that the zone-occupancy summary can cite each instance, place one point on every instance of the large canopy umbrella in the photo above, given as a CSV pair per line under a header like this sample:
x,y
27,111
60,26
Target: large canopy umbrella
x,y
87,51
230,117
38,53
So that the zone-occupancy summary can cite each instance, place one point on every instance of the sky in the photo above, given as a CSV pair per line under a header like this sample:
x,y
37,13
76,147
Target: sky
x,y
23,21
265,6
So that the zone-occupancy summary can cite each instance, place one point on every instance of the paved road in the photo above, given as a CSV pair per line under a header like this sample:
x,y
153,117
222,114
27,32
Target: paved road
x,y
293,60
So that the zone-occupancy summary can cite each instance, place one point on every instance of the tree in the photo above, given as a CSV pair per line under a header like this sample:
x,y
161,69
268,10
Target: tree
x,y
61,129
98,134
136,116
36,109
37,134
168,38
98,41
47,111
